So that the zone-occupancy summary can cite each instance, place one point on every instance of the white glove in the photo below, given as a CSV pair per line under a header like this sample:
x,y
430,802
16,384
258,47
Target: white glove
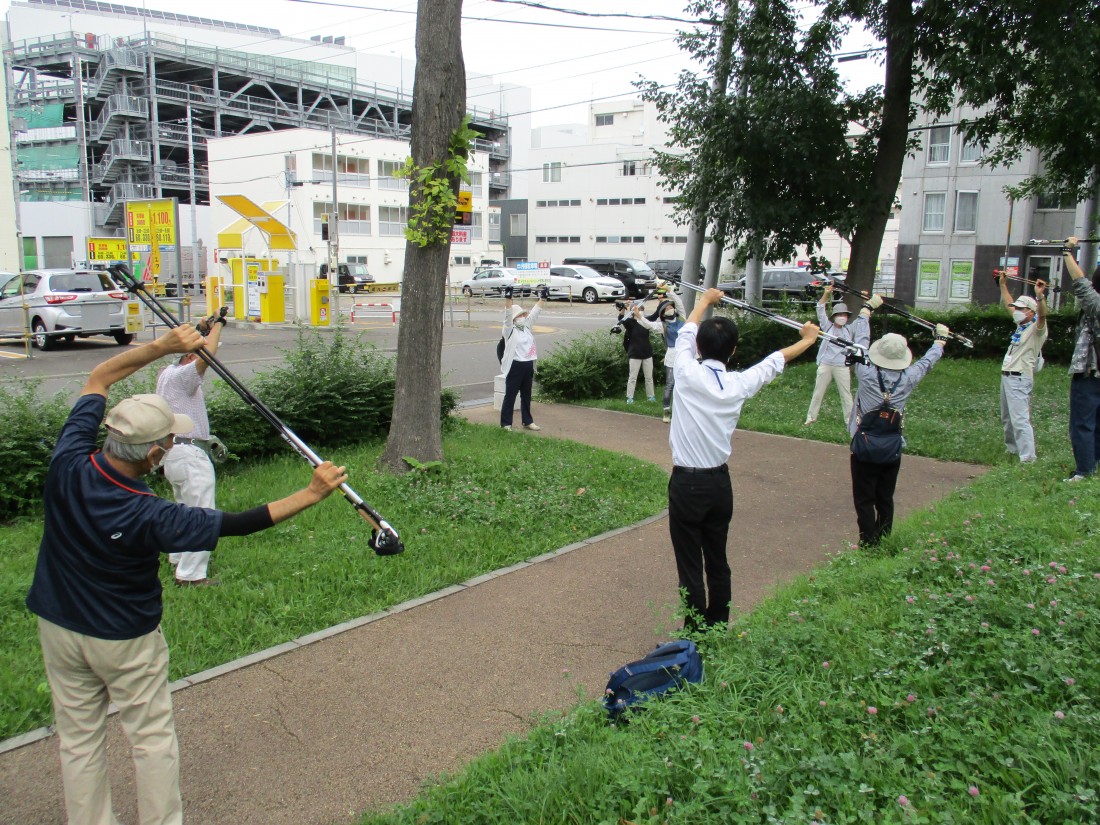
x,y
875,301
942,332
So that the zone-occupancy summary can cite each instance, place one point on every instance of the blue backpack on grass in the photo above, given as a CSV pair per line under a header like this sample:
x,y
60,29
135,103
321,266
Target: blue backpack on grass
x,y
668,667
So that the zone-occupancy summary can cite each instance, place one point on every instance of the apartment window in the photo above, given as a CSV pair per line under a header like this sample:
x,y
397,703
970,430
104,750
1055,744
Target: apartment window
x,y
969,152
605,120
350,170
1048,202
386,171
477,229
939,144
934,204
391,220
517,226
494,227
354,217
461,260
630,167
474,187
966,211
551,172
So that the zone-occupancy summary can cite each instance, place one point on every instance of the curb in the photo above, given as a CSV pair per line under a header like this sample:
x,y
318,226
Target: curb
x,y
38,734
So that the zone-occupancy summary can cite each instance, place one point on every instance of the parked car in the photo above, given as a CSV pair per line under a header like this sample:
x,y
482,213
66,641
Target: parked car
x,y
63,305
785,284
350,277
493,280
584,283
635,275
669,268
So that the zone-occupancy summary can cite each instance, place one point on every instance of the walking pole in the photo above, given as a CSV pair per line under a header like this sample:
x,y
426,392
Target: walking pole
x,y
853,353
896,310
384,540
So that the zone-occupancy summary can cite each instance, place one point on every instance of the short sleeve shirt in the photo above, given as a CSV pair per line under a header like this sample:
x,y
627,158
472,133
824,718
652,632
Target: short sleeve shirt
x,y
97,569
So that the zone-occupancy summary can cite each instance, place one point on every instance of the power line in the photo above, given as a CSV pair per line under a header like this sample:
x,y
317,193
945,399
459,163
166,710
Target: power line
x,y
541,7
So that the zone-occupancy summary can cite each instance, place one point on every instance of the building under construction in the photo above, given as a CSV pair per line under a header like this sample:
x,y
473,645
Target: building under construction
x,y
122,110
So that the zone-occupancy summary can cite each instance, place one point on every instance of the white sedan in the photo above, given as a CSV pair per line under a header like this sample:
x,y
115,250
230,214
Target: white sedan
x,y
492,282
584,283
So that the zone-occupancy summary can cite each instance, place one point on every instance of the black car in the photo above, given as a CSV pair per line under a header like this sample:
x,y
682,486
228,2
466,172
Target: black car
x,y
789,284
635,275
671,268
350,277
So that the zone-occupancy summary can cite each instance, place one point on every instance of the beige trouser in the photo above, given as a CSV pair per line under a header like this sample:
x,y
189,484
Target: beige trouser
x,y
826,375
85,675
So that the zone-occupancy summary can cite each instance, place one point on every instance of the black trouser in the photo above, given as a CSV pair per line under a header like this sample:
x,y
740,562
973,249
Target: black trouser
x,y
518,380
873,494
700,506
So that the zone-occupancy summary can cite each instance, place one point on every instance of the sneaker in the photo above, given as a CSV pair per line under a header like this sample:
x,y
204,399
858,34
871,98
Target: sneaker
x,y
651,398
532,426
1073,479
808,422
666,418
199,583
630,401
506,426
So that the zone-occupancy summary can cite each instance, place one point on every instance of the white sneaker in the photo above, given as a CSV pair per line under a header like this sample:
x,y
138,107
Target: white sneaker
x,y
507,427
666,418
532,426
1073,479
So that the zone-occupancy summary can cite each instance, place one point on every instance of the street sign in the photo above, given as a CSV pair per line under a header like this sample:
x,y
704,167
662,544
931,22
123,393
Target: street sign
x,y
460,236
527,265
152,228
107,249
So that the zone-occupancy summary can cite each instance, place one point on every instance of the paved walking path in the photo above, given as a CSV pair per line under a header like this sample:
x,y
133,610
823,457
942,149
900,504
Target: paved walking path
x,y
358,720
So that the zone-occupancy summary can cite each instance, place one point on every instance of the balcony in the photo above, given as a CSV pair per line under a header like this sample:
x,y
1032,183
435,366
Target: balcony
x,y
119,151
500,180
114,111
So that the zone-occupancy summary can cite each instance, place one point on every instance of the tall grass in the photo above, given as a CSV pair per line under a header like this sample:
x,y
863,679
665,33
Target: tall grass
x,y
497,500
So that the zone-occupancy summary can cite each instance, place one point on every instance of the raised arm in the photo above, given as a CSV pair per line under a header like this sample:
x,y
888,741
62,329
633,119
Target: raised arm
x,y
181,339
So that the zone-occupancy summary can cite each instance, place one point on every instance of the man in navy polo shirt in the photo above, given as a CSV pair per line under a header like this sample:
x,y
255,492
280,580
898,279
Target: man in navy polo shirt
x,y
96,588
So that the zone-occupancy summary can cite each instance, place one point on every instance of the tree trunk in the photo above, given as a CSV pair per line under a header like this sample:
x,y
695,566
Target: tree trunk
x,y
439,104
886,172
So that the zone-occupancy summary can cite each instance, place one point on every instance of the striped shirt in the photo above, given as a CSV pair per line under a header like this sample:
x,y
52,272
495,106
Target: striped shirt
x,y
181,387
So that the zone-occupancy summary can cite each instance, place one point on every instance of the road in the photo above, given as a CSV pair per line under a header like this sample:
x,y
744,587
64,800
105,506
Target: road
x,y
468,363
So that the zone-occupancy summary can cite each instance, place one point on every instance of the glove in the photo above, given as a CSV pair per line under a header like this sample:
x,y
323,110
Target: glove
x,y
507,292
874,302
222,313
942,332
544,292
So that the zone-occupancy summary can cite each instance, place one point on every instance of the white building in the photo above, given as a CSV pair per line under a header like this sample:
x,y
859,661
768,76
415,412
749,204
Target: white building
x,y
956,216
295,166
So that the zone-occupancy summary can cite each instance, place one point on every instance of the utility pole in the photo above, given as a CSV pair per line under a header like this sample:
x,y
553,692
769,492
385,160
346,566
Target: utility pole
x,y
191,190
334,223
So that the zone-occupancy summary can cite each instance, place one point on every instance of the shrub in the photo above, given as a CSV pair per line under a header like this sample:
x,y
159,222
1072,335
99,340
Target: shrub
x,y
332,391
593,365
29,427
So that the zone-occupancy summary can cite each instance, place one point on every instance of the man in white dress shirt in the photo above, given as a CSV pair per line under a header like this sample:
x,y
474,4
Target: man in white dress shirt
x,y
700,496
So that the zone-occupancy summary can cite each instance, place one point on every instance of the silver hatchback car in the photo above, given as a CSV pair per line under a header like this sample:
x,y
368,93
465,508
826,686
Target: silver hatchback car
x,y
63,305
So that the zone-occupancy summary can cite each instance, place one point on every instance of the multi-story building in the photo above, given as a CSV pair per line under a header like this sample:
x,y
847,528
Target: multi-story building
x,y
958,225
111,103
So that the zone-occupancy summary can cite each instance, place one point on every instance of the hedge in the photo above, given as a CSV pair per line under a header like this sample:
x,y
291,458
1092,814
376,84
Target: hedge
x,y
331,391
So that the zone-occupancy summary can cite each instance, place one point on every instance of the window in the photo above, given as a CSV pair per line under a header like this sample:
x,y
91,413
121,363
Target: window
x,y
969,152
357,259
551,172
391,220
350,170
605,120
674,239
563,202
462,260
620,239
354,217
939,144
966,211
619,201
386,179
1048,202
672,199
494,226
558,239
630,167
934,203
476,227
517,226
476,182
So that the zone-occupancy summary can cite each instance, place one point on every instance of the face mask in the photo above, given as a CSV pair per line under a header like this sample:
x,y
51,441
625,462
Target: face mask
x,y
1018,315
840,320
670,316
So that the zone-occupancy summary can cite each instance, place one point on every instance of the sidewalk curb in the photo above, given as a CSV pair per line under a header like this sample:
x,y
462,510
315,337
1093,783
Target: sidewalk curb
x,y
38,734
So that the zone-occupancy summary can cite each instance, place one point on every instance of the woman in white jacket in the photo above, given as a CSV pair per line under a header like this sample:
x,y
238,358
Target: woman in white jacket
x,y
518,363
831,364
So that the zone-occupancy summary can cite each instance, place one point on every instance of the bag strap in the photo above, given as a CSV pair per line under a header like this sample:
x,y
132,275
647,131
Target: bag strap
x,y
886,393
642,666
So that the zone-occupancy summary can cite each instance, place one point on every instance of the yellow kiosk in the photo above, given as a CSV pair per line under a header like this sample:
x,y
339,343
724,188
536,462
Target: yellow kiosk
x,y
256,288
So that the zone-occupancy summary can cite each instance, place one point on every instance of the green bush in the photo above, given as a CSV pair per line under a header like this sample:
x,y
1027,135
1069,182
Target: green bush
x,y
593,365
332,391
29,427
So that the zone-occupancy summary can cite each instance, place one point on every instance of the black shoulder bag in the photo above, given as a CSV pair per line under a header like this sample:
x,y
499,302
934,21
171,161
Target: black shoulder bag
x,y
878,438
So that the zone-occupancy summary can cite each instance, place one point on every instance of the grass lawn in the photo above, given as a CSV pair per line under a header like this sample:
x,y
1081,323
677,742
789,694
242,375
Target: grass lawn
x,y
498,500
953,415
950,676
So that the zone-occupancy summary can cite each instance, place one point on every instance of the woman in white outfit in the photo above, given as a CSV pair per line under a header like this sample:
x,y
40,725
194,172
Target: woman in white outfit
x,y
830,357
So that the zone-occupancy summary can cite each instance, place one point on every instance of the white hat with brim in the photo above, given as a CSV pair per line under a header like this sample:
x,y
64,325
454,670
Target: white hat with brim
x,y
891,352
143,419
1025,302
517,311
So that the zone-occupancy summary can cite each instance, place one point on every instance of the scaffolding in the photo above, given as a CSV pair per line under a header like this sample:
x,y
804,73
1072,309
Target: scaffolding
x,y
124,104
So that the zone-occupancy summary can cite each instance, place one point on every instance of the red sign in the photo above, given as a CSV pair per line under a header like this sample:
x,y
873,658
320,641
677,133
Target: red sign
x,y
460,236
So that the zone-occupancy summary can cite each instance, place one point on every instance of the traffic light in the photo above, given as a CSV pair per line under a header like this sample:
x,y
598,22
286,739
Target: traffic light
x,y
324,227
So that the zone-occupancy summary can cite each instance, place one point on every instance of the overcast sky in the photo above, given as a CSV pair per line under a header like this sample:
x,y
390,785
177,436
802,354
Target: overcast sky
x,y
566,60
